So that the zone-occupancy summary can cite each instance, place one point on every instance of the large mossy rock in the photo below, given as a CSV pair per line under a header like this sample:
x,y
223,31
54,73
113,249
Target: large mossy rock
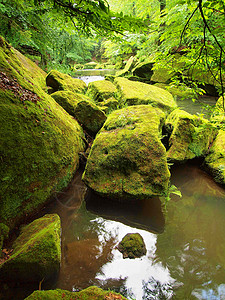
x,y
215,160
132,246
128,67
101,90
68,100
63,82
136,93
39,141
90,116
127,159
190,137
37,252
90,293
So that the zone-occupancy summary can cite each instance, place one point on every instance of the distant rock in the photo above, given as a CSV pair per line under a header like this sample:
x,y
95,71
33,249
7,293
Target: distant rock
x,y
132,246
37,252
63,82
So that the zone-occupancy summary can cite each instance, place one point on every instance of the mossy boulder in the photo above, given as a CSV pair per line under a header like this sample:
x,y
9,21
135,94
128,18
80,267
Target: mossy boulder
x,y
4,231
39,141
68,100
90,116
101,90
178,92
215,160
128,67
90,293
136,93
63,82
37,252
191,136
109,105
127,159
90,65
132,246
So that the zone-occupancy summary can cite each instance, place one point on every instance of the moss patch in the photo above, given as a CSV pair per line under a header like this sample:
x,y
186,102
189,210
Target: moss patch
x,y
68,100
191,136
90,293
39,142
215,160
63,82
132,246
4,231
127,159
90,116
135,93
101,90
37,251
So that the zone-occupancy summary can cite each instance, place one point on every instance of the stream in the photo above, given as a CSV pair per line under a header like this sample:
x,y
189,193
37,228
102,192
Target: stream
x,y
185,245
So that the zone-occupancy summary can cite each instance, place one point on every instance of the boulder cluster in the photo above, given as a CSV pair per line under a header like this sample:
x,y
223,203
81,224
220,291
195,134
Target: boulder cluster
x,y
128,131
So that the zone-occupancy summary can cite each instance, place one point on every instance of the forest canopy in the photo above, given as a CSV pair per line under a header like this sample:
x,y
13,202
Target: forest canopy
x,y
61,31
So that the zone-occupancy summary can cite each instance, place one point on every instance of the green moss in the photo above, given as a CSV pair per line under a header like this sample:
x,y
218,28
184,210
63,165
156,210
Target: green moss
x,y
90,293
37,251
181,92
39,143
90,116
63,82
215,160
127,159
109,105
191,136
135,93
68,100
129,65
132,246
4,231
101,90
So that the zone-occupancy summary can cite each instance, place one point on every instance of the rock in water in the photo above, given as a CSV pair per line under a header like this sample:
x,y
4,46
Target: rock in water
x,y
132,246
215,160
37,252
191,136
127,159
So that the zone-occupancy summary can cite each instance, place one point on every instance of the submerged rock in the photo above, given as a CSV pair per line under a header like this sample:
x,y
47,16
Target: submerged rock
x,y
63,82
37,252
90,293
132,246
215,160
39,141
190,137
135,93
90,116
127,159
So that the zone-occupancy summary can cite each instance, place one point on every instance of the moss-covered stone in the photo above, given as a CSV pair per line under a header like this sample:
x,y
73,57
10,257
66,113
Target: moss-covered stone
x,y
109,105
90,293
4,231
63,82
191,136
180,92
135,93
90,116
161,75
39,141
127,159
132,246
90,65
37,252
68,100
128,67
215,160
101,90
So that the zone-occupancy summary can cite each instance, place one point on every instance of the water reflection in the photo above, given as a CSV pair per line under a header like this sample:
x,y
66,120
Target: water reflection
x,y
142,214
